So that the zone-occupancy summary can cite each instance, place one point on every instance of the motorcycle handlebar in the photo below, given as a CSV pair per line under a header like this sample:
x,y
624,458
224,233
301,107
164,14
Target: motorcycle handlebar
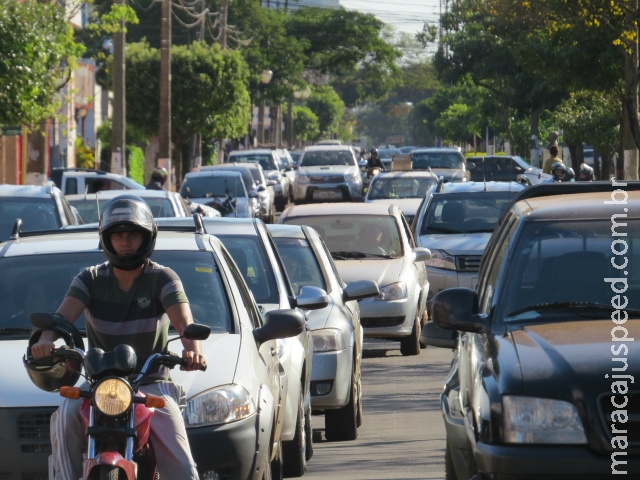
x,y
172,360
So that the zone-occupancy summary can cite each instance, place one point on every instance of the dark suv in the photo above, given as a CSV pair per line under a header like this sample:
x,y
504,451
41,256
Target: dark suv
x,y
543,378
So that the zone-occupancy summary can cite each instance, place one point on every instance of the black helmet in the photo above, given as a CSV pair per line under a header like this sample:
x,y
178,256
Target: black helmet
x,y
569,175
586,173
373,151
159,175
558,177
54,371
128,213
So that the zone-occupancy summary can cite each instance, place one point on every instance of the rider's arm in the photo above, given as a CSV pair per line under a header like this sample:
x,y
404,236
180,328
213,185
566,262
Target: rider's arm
x,y
70,309
180,317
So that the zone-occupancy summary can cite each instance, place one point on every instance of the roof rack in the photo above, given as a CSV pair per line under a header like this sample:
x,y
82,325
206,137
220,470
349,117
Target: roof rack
x,y
568,188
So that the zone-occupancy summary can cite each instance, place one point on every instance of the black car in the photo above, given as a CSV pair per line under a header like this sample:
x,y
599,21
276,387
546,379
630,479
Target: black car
x,y
543,378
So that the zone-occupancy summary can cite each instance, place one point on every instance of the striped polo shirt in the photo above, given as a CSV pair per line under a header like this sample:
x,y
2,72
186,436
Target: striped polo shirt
x,y
136,317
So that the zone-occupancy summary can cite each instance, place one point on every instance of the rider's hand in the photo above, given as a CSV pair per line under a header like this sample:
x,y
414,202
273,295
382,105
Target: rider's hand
x,y
193,360
42,348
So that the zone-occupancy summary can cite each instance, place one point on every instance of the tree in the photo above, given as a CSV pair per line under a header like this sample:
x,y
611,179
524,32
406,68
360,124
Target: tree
x,y
37,54
210,97
325,103
305,124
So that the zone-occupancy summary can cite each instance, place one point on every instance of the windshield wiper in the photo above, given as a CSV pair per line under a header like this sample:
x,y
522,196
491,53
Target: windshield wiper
x,y
343,255
377,255
441,230
601,307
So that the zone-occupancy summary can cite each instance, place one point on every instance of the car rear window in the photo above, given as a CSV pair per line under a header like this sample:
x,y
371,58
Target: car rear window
x,y
210,186
37,214
423,161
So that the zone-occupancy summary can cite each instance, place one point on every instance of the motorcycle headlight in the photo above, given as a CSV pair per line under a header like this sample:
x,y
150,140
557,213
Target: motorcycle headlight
x,y
302,178
219,405
541,420
395,291
441,259
327,340
112,396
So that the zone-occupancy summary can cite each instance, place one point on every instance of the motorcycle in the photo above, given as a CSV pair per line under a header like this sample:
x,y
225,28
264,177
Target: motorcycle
x,y
370,173
115,414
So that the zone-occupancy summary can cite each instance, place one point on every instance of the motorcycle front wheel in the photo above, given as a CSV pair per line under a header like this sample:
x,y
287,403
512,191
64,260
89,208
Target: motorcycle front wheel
x,y
107,472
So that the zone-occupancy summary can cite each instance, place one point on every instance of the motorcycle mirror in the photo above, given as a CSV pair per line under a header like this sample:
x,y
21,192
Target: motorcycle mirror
x,y
195,331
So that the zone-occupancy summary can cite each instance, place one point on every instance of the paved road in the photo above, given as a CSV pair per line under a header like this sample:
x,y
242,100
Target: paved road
x,y
402,435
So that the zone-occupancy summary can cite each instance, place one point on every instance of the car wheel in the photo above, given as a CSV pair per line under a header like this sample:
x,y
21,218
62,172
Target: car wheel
x,y
271,215
277,471
411,345
309,433
280,204
294,451
342,423
449,471
359,416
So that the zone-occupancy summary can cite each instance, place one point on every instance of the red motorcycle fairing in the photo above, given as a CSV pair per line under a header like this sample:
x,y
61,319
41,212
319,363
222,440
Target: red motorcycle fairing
x,y
109,458
141,422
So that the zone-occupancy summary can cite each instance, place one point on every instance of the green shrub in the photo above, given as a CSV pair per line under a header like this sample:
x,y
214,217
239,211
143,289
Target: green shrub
x,y
135,167
85,156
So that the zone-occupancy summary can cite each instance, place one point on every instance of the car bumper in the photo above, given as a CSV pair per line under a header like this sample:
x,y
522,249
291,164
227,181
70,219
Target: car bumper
x,y
388,319
327,192
335,368
440,279
229,449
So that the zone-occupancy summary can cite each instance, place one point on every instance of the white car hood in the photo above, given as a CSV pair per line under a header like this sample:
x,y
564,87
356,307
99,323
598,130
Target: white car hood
x,y
220,350
407,205
329,170
456,244
382,271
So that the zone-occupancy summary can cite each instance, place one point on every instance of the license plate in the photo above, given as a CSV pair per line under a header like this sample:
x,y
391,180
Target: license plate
x,y
325,194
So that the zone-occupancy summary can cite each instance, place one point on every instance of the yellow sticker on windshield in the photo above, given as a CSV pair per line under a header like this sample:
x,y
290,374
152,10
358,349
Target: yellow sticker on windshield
x,y
204,269
251,272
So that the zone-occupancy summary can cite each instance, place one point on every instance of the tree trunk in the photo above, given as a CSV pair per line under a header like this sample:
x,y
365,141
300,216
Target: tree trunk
x,y
630,124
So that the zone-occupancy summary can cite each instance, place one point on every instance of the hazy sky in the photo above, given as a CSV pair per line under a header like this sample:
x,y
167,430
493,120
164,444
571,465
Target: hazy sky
x,y
405,15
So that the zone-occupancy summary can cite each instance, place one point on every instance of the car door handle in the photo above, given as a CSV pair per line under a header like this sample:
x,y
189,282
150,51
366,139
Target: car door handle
x,y
274,351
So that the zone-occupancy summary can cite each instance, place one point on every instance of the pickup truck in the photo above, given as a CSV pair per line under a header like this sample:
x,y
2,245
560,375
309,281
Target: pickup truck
x,y
86,180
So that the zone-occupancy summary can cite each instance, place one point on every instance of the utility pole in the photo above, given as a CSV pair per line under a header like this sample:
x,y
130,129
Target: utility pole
x,y
630,108
196,151
164,153
224,6
119,114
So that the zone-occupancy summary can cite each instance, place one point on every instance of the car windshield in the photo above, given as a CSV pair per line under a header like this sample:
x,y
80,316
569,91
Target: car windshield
x,y
265,161
326,158
90,209
36,214
400,187
560,267
251,258
208,186
356,236
465,213
27,286
300,263
388,152
425,160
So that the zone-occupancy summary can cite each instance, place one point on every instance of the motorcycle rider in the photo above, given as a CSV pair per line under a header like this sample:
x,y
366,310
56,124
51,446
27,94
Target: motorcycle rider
x,y
559,172
128,299
158,179
586,173
374,161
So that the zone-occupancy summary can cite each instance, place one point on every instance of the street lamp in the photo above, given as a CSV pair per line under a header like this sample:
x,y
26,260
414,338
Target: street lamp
x,y
265,78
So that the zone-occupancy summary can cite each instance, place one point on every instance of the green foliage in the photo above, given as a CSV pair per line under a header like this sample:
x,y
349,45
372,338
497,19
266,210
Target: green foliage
x,y
325,103
36,51
135,164
305,124
85,155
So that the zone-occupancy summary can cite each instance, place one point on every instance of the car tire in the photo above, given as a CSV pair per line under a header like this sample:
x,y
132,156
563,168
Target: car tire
x,y
360,414
309,433
271,215
294,452
342,424
449,470
411,345
276,467
280,204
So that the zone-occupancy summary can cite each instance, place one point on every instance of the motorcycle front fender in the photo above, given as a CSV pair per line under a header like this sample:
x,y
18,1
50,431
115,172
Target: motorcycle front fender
x,y
108,459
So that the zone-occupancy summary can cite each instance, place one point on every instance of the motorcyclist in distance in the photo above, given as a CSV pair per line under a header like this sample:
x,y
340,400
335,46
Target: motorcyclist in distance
x,y
558,172
374,161
586,173
158,179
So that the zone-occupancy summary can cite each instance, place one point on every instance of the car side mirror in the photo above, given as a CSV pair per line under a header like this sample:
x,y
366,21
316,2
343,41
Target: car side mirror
x,y
261,188
422,254
435,336
271,183
471,166
312,298
253,194
457,309
359,290
283,323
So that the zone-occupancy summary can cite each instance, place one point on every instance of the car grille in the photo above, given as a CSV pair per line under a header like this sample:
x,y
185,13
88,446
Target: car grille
x,y
468,263
633,411
33,432
373,322
327,179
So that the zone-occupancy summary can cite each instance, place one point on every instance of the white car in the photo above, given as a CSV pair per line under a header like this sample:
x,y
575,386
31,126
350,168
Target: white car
x,y
336,386
389,257
235,410
403,188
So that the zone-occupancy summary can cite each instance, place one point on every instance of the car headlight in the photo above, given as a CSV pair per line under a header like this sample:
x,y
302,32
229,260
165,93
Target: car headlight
x,y
441,259
541,420
395,291
327,340
112,396
219,405
302,178
354,177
